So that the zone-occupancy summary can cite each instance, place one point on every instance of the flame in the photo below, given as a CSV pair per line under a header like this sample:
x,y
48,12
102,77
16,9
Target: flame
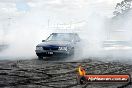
x,y
81,71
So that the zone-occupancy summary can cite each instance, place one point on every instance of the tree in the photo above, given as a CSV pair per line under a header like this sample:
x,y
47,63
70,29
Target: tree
x,y
122,7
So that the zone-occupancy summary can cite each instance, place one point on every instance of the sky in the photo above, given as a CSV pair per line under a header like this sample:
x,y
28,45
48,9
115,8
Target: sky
x,y
26,5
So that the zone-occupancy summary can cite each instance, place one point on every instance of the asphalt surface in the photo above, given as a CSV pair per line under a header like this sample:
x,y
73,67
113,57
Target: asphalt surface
x,y
57,74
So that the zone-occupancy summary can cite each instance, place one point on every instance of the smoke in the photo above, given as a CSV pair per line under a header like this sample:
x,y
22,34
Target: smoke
x,y
92,35
120,27
89,20
23,35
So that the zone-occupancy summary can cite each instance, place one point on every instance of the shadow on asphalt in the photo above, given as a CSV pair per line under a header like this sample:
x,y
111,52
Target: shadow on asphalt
x,y
57,58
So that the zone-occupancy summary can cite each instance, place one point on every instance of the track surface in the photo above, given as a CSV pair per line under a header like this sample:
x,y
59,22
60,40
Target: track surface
x,y
56,74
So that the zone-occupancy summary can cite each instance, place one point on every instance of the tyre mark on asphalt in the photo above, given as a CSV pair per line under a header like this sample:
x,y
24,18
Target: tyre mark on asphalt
x,y
44,75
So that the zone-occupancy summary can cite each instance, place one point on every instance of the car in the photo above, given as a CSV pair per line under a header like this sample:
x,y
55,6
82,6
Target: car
x,y
58,44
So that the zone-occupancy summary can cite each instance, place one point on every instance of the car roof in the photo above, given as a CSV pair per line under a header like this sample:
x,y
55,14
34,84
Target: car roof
x,y
65,33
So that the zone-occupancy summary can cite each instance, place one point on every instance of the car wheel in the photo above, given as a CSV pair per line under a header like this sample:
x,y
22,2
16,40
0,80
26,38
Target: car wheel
x,y
40,57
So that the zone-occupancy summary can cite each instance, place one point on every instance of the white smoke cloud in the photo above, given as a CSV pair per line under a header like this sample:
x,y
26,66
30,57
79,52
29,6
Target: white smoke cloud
x,y
28,29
